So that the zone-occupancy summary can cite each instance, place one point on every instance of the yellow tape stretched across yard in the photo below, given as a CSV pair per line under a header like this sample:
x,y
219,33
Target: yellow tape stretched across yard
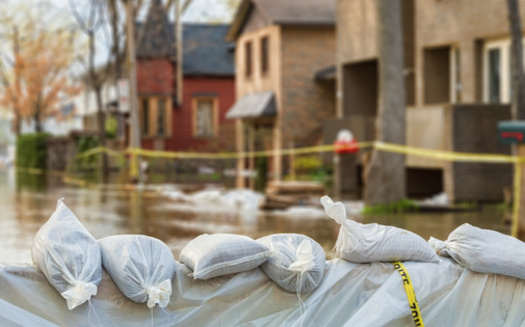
x,y
411,294
382,146
389,147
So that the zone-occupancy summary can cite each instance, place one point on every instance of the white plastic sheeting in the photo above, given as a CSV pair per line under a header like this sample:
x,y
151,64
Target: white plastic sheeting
x,y
234,199
349,295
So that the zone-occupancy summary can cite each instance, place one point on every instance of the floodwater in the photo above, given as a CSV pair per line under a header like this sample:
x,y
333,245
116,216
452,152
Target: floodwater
x,y
26,206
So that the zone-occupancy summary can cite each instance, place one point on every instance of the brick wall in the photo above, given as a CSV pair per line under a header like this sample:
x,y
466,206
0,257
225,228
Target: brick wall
x,y
306,103
155,76
473,129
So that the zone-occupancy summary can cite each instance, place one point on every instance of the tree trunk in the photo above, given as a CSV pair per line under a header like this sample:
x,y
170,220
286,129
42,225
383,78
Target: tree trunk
x,y
101,119
38,123
16,50
37,114
517,62
117,65
17,123
386,173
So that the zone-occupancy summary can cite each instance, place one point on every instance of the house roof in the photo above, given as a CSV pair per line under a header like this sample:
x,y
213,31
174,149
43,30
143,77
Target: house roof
x,y
205,50
289,12
156,34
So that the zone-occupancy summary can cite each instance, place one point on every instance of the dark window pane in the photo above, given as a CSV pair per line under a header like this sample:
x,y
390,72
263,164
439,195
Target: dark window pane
x,y
248,57
265,60
494,78
161,118
145,116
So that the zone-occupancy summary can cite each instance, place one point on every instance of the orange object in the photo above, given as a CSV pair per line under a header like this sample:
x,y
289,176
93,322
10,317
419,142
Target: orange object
x,y
345,146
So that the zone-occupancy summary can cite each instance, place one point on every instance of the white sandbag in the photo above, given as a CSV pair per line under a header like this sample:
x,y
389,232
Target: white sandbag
x,y
222,254
141,267
373,242
483,250
68,256
297,262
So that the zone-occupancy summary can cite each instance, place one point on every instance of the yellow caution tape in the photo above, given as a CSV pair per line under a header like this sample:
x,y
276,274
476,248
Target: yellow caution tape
x,y
97,150
411,295
448,155
382,146
38,171
516,200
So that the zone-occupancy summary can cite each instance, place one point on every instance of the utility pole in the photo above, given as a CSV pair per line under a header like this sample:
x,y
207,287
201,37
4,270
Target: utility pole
x,y
518,111
133,105
178,49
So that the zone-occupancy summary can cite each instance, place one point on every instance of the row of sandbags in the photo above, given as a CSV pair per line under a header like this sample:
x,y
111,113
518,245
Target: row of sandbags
x,y
142,267
477,249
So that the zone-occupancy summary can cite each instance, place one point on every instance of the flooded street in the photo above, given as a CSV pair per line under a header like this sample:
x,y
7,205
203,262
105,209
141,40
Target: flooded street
x,y
25,207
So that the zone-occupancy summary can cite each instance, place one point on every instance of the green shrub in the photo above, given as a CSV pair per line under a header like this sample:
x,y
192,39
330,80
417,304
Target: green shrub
x,y
31,150
111,127
85,143
304,165
261,166
394,207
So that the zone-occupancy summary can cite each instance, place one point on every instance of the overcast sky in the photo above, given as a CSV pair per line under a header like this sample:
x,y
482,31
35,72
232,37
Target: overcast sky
x,y
198,11
60,11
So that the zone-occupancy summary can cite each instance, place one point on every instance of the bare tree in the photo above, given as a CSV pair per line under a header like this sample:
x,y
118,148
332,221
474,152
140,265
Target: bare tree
x,y
117,24
38,77
386,173
90,18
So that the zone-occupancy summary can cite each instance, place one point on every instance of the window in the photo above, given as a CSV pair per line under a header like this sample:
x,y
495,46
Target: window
x,y
161,117
145,117
265,60
248,58
437,75
204,117
455,74
494,75
155,117
497,76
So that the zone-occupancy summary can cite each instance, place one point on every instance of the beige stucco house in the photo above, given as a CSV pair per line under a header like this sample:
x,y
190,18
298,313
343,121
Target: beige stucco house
x,y
285,88
458,86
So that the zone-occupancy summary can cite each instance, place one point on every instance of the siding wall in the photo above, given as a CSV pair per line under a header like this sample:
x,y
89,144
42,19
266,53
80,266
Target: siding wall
x,y
156,77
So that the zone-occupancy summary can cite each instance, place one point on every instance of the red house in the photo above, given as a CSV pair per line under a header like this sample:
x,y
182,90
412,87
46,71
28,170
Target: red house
x,y
199,124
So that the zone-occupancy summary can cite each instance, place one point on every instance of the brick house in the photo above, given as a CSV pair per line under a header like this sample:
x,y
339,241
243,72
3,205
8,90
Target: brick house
x,y
458,86
199,124
281,47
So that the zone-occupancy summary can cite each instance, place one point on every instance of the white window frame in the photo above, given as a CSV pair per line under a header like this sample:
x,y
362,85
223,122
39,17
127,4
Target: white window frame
x,y
215,116
504,88
455,85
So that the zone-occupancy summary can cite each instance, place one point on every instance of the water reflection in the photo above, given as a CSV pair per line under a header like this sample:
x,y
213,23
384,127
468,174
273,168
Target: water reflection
x,y
439,225
110,212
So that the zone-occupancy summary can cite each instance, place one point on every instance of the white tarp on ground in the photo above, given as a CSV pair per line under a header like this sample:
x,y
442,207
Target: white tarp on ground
x,y
349,295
